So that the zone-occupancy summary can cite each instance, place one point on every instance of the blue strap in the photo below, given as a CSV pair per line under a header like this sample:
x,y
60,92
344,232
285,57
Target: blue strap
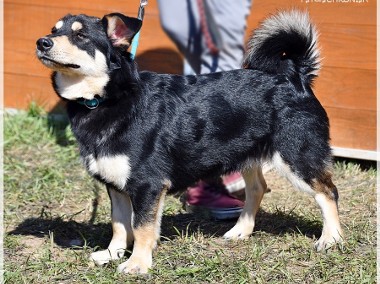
x,y
140,16
135,44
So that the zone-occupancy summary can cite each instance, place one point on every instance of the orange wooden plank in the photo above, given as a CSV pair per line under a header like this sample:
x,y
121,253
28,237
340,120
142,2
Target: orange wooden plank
x,y
161,60
122,6
31,21
348,46
346,88
21,90
353,128
321,11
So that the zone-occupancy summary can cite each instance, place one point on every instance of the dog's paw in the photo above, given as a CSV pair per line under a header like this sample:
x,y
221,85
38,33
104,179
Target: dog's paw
x,y
104,256
326,241
135,265
238,232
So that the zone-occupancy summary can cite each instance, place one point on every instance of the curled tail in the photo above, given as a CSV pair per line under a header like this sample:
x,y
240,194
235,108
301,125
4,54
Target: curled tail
x,y
285,43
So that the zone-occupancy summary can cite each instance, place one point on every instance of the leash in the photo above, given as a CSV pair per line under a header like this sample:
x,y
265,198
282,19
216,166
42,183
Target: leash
x,y
209,28
140,16
205,29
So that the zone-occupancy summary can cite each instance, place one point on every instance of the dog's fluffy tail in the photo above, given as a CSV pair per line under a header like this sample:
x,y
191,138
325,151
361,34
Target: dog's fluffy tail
x,y
285,43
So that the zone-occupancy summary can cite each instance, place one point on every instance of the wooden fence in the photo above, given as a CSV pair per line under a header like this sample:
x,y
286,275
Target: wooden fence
x,y
346,86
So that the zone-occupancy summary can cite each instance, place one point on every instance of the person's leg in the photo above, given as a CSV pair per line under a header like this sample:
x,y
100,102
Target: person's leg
x,y
231,19
180,21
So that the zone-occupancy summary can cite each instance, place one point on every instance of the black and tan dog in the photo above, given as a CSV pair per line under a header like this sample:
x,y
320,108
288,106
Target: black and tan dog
x,y
143,134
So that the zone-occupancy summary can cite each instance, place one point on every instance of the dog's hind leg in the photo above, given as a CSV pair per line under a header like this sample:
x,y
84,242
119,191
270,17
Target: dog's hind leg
x,y
324,192
121,214
327,198
148,206
254,192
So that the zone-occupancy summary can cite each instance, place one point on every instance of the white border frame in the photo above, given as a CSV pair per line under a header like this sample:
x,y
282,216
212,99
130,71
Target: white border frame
x,y
1,142
378,135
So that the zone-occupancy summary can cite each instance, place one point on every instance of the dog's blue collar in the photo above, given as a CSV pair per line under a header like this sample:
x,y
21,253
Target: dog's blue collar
x,y
91,104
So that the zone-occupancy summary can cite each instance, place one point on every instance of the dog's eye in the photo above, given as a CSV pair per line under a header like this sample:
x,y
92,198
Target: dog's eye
x,y
80,36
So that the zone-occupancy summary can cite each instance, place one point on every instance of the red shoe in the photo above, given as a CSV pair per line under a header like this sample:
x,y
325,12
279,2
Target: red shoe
x,y
234,182
213,198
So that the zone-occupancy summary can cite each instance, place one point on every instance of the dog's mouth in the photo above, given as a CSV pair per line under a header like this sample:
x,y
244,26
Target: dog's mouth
x,y
48,61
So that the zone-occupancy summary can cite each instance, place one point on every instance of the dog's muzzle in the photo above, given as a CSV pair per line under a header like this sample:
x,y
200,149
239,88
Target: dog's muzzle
x,y
44,45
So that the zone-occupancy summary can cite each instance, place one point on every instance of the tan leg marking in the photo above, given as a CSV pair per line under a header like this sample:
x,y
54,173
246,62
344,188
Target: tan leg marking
x,y
146,237
254,192
121,229
325,185
325,194
327,199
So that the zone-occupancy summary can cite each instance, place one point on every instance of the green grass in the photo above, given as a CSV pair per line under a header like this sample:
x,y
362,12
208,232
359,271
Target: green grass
x,y
56,215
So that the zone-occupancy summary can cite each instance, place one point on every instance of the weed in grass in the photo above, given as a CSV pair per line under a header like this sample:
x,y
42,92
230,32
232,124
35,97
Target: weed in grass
x,y
55,216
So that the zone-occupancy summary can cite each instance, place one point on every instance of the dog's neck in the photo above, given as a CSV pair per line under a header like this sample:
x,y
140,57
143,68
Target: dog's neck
x,y
80,87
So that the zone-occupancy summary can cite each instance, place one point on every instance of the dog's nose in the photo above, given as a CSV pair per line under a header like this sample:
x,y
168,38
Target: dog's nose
x,y
44,44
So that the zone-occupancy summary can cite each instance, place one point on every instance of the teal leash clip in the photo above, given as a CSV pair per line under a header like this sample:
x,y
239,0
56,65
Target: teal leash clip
x,y
91,104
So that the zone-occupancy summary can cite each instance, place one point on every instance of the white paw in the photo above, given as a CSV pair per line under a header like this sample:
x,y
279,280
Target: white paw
x,y
239,232
135,265
104,256
326,241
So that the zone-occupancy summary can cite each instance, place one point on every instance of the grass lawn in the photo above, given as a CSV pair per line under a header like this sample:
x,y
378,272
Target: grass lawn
x,y
56,215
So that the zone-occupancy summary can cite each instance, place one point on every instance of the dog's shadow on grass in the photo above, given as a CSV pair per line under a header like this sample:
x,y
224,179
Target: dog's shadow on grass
x,y
69,233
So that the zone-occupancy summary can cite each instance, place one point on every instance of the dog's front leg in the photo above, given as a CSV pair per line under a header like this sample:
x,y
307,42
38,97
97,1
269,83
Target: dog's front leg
x,y
255,187
121,214
148,206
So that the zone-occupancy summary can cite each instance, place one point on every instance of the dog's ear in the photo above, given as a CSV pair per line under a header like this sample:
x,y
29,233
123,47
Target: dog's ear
x,y
121,29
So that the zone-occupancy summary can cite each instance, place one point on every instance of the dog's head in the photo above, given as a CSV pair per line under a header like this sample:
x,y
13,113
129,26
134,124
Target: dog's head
x,y
81,51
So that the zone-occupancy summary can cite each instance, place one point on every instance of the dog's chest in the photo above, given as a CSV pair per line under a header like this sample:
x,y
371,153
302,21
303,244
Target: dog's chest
x,y
114,169
73,88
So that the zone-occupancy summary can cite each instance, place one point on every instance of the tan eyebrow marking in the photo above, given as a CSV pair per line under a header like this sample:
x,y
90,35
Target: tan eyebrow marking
x,y
59,24
76,26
